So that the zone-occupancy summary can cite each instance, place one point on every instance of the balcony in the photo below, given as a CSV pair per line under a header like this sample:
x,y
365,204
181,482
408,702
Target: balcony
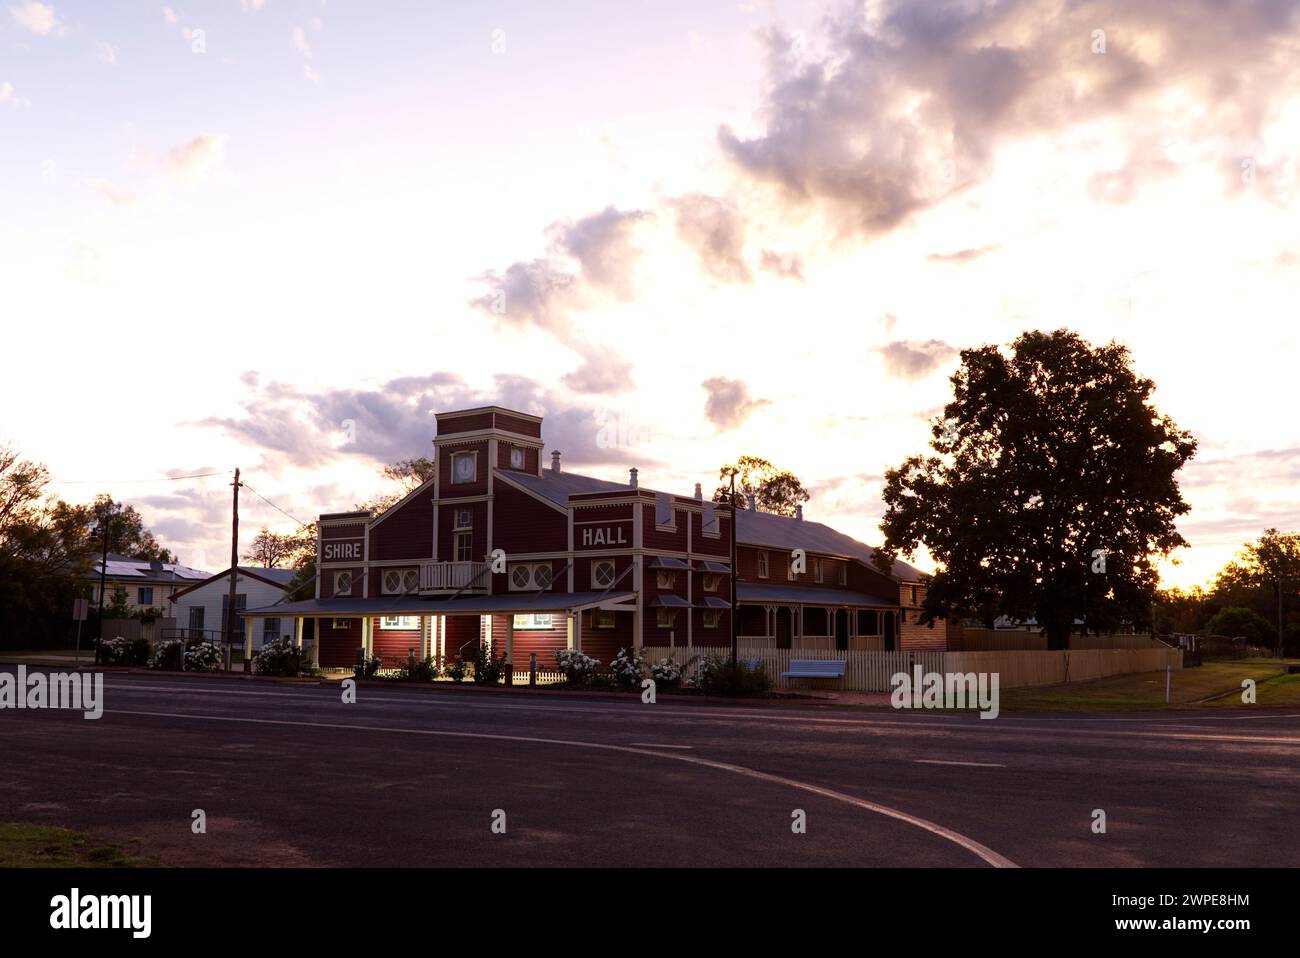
x,y
472,577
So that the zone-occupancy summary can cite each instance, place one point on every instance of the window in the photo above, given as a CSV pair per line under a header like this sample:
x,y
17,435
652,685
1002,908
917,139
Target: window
x,y
409,623
664,513
342,583
464,547
664,578
789,570
341,624
464,466
817,569
604,619
464,519
762,565
712,617
913,595
602,574
270,630
400,581
664,618
844,573
529,576
196,618
711,581
541,620
144,596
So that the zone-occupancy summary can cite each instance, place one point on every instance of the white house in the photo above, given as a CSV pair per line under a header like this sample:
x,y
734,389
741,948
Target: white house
x,y
201,609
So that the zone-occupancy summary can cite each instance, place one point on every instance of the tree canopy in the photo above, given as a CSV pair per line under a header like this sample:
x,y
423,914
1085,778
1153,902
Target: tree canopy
x,y
774,490
1050,492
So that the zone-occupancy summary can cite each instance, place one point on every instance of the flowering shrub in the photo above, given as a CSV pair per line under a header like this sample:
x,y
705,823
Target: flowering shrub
x,y
577,667
666,673
488,670
456,671
203,657
628,668
717,676
120,651
278,657
367,666
168,655
418,670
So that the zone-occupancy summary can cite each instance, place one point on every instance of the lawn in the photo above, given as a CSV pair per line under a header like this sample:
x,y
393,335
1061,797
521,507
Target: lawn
x,y
41,846
1146,690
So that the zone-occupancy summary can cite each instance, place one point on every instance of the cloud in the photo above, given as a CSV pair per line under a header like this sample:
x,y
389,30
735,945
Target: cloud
x,y
602,243
536,293
962,255
910,100
192,161
394,419
117,195
299,39
728,403
169,15
601,371
10,97
789,265
715,230
38,18
915,360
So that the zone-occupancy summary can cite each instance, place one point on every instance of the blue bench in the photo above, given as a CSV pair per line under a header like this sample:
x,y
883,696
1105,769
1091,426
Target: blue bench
x,y
816,669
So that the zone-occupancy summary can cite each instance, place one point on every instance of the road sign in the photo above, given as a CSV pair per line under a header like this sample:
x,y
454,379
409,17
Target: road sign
x,y
79,609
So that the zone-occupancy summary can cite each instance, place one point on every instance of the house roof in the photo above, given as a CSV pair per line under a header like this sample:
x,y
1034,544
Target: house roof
x,y
762,592
280,578
517,602
752,528
122,567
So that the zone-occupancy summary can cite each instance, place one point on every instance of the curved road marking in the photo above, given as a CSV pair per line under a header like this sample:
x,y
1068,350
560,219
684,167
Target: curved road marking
x,y
972,846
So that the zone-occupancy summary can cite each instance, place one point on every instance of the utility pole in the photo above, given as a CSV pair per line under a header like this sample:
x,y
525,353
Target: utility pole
x,y
103,572
1281,645
234,575
731,497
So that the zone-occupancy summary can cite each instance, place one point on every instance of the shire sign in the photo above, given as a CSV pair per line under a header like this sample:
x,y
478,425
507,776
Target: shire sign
x,y
342,550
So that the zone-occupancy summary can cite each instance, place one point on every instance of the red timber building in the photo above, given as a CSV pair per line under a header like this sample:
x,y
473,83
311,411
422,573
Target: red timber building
x,y
505,549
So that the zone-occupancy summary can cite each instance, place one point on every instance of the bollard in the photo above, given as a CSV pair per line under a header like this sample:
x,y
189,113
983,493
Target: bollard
x,y
532,670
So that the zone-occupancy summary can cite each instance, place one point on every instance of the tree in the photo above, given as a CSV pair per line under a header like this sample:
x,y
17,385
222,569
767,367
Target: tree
x,y
127,534
1235,621
408,474
1271,564
1052,488
774,490
268,549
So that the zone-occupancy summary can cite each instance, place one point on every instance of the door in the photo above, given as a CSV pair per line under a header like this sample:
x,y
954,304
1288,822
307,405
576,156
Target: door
x,y
842,630
783,615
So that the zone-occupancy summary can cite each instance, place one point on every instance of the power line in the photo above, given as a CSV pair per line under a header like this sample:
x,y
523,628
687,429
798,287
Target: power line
x,y
272,504
105,482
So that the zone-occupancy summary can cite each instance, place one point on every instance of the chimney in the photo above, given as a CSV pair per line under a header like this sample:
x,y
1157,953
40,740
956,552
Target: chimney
x,y
555,460
155,565
699,493
631,477
798,511
753,503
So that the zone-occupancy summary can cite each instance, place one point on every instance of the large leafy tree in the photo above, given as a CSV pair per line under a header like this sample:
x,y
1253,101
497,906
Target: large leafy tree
x,y
127,534
1271,566
408,475
1050,492
774,490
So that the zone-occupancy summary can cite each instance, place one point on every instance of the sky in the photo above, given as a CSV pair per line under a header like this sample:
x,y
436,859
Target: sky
x,y
281,234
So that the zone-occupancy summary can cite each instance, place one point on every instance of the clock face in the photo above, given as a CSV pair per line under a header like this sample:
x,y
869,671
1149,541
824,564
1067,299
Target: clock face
x,y
517,458
465,468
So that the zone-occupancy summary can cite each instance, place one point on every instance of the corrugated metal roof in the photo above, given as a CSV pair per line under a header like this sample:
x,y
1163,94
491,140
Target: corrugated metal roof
x,y
668,602
280,576
759,592
705,565
712,602
123,568
668,562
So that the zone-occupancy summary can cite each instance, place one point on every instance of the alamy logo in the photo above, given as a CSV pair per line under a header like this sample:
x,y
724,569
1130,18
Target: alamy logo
x,y
102,911
946,690
83,691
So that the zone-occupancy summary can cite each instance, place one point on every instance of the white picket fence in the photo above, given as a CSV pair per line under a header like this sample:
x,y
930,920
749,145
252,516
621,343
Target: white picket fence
x,y
870,671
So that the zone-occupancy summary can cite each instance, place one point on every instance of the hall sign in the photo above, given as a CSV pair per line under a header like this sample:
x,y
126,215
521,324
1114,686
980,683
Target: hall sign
x,y
594,537
341,550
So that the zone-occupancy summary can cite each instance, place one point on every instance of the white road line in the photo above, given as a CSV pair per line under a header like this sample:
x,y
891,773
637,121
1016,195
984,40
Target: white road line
x,y
939,761
972,846
659,745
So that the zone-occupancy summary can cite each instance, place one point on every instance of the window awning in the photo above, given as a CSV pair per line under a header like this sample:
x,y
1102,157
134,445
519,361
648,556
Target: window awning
x,y
667,562
705,565
713,602
668,602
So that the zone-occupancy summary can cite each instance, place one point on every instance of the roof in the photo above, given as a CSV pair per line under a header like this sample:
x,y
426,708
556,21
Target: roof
x,y
787,532
517,602
121,567
801,595
752,528
280,578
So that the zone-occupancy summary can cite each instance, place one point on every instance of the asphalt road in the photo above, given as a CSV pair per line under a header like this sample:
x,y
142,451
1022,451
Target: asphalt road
x,y
290,775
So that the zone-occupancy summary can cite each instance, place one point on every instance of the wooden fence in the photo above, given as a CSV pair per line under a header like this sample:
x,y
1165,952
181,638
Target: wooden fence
x,y
1003,640
132,629
871,671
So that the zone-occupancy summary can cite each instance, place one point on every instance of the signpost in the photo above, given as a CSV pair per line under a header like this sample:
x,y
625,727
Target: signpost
x,y
80,607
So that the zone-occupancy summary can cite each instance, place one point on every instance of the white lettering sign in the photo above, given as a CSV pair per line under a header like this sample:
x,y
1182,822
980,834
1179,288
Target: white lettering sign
x,y
342,551
608,536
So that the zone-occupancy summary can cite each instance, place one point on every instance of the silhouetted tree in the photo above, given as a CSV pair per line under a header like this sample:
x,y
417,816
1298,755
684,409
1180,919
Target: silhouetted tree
x,y
774,490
